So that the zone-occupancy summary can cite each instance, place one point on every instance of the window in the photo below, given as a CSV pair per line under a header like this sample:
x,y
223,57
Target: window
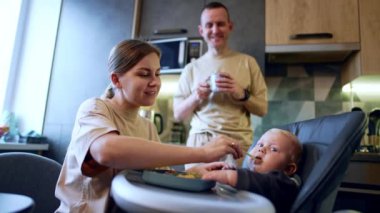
x,y
9,18
29,28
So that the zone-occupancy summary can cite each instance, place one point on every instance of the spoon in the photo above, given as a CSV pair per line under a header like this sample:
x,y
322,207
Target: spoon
x,y
249,155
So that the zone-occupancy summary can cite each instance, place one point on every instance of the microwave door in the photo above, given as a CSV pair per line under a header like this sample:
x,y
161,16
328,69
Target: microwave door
x,y
181,54
194,50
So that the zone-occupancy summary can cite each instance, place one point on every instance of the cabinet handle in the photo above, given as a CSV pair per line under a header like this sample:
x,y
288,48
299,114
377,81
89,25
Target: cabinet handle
x,y
170,31
311,36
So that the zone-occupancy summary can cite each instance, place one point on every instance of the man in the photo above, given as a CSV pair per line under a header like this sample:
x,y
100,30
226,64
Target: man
x,y
241,88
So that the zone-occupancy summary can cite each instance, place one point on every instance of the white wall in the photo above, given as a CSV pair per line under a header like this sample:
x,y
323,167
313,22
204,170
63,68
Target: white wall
x,y
35,63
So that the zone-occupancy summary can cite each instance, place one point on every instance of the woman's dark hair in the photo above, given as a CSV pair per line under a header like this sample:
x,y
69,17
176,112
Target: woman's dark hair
x,y
125,55
215,5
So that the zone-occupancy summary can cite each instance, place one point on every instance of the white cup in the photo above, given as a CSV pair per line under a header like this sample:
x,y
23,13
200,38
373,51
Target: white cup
x,y
229,159
213,78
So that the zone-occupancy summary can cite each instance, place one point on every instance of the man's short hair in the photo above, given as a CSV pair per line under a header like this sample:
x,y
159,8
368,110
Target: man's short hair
x,y
215,5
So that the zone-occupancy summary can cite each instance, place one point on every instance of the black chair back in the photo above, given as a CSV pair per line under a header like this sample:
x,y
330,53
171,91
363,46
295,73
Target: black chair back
x,y
31,175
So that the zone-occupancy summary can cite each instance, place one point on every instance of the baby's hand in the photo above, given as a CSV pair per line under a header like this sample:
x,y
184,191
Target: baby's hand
x,y
229,167
222,176
207,167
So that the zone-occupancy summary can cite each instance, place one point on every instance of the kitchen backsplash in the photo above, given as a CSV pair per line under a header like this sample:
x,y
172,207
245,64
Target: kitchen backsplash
x,y
305,91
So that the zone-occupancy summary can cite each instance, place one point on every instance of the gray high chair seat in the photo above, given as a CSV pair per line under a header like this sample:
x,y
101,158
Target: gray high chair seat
x,y
328,145
32,175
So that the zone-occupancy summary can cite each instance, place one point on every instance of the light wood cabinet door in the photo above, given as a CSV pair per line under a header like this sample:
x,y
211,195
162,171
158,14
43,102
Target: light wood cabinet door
x,y
369,33
365,64
311,21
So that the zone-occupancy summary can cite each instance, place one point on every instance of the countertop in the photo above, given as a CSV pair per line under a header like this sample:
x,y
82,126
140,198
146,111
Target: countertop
x,y
366,157
22,146
363,173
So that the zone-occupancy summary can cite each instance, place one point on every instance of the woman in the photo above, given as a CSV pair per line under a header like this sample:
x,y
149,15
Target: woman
x,y
109,136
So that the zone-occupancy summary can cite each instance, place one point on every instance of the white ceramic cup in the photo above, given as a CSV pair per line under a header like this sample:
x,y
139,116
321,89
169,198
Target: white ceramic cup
x,y
229,159
213,78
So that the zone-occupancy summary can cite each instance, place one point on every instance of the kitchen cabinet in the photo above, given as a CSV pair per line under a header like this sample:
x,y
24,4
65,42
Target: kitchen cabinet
x,y
366,62
360,188
302,26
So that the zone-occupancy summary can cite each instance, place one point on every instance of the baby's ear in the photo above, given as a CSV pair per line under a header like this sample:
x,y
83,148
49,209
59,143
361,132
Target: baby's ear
x,y
290,169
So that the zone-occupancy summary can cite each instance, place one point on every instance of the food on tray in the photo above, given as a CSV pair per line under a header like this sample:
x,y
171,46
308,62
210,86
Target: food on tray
x,y
183,174
177,180
188,175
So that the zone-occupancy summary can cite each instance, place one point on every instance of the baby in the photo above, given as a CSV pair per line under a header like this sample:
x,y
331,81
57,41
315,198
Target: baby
x,y
272,166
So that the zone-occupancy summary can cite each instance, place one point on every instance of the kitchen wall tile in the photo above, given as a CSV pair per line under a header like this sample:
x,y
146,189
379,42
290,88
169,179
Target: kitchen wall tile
x,y
295,89
323,85
256,120
278,70
323,108
282,112
296,71
274,83
300,92
301,89
306,112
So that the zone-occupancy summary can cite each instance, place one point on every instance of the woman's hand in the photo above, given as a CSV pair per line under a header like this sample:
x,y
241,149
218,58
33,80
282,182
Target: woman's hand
x,y
207,167
220,146
222,176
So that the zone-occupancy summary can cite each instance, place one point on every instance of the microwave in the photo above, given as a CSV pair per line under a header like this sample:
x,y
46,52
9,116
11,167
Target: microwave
x,y
177,52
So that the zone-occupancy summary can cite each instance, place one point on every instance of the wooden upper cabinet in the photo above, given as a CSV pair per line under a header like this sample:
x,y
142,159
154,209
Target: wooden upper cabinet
x,y
370,39
366,62
311,22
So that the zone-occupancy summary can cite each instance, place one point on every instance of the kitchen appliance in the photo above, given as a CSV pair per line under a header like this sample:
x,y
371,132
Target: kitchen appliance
x,y
374,129
173,131
371,140
177,52
178,135
154,117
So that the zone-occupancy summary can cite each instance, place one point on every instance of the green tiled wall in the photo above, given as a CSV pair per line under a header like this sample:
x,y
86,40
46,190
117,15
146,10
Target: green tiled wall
x,y
305,91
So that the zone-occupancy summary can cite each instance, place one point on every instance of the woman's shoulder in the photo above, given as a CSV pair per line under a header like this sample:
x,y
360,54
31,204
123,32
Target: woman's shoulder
x,y
93,104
